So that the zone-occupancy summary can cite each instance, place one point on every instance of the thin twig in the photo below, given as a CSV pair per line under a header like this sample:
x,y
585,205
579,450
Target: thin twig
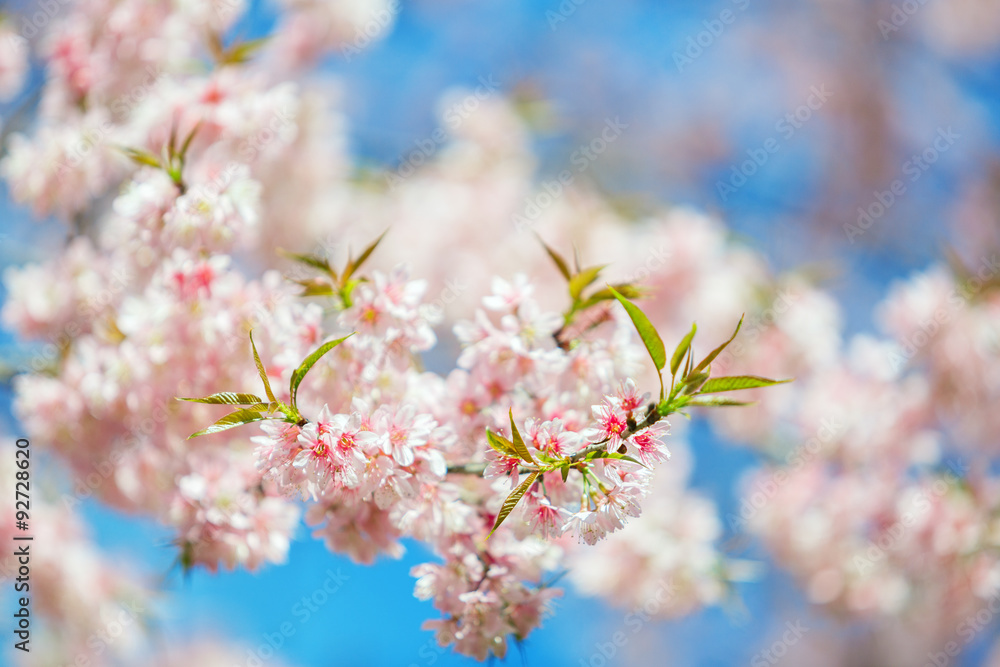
x,y
652,416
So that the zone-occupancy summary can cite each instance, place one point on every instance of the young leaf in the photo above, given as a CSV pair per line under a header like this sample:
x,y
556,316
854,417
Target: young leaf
x,y
648,334
714,401
140,156
354,265
692,383
583,279
518,442
261,371
501,444
557,258
348,289
565,473
215,45
299,373
227,398
737,382
241,53
717,351
172,141
612,455
315,287
512,500
233,419
627,290
682,348
314,261
187,142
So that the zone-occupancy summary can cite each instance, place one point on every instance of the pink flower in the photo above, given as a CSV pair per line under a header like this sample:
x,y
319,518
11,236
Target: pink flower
x,y
620,503
390,308
331,452
507,296
590,527
499,465
611,425
648,444
628,397
552,438
400,431
276,450
544,518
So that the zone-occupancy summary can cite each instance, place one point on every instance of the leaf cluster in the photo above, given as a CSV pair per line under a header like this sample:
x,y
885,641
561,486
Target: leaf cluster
x,y
330,282
257,408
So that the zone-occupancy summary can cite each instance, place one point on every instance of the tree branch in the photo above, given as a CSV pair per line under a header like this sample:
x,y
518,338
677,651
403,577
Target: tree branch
x,y
652,416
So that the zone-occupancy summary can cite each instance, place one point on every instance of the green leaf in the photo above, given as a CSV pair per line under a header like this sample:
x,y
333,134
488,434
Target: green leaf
x,y
187,142
261,371
612,455
238,418
501,444
737,382
518,442
314,261
583,279
172,141
692,383
681,350
673,406
317,287
241,53
227,398
714,401
512,500
348,289
627,290
140,156
565,473
354,265
299,373
717,351
558,259
648,334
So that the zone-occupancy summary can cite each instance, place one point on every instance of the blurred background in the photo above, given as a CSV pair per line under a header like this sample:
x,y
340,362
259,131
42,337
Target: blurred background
x,y
788,120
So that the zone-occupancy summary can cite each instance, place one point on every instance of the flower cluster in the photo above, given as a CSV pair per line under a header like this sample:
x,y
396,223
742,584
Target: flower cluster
x,y
148,304
875,497
397,452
